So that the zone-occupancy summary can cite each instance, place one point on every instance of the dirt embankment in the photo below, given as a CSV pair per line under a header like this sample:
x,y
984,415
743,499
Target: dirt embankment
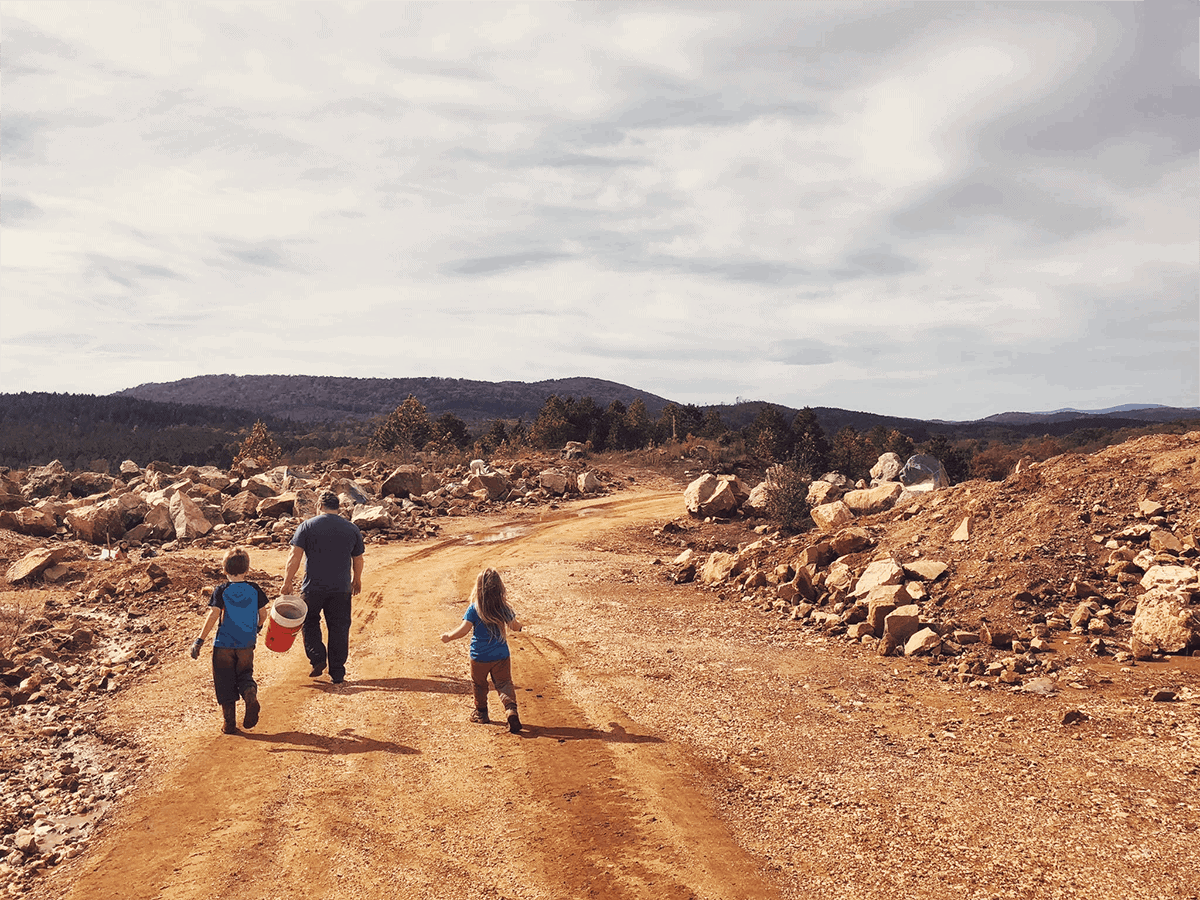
x,y
681,742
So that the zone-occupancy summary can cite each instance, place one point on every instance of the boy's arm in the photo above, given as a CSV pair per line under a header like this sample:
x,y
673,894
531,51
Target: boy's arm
x,y
214,615
463,629
264,606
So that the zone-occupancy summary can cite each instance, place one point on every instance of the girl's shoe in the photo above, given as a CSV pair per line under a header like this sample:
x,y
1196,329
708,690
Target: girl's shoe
x,y
514,721
480,717
229,712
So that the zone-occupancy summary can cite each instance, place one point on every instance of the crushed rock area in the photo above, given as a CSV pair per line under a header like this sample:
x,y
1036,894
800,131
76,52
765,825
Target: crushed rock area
x,y
975,770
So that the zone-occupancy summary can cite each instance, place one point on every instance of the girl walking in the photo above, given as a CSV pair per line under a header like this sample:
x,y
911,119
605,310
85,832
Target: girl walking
x,y
487,618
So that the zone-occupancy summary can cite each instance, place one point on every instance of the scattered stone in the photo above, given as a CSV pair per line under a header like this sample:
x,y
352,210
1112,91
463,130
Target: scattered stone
x,y
963,531
1164,695
832,516
1074,717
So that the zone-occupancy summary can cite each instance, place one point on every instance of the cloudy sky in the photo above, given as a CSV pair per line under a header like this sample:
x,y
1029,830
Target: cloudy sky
x,y
932,210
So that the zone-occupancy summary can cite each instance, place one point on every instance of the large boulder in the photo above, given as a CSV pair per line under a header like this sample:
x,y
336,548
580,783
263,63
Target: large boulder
x,y
240,506
717,567
406,481
495,484
760,497
832,516
278,506
822,491
554,481
886,468
1165,622
35,521
97,523
879,573
50,480
923,473
189,522
34,563
873,500
710,496
588,483
368,517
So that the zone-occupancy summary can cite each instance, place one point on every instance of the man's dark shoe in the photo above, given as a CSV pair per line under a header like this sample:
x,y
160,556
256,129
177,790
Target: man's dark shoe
x,y
229,711
514,722
337,679
316,671
252,708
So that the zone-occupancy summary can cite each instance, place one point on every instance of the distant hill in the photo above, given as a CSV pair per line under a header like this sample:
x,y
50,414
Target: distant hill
x,y
1102,417
312,398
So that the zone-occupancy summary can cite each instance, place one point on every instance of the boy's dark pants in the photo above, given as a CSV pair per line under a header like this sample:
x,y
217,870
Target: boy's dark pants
x,y
233,672
337,620
501,672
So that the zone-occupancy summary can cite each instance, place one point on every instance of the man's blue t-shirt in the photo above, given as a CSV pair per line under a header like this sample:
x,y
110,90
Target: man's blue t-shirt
x,y
329,543
486,645
241,601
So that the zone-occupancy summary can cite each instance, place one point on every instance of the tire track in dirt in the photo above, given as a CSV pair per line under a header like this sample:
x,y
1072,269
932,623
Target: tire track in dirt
x,y
380,787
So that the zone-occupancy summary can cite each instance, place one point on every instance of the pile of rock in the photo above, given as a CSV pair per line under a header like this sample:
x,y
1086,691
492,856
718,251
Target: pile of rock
x,y
163,504
833,499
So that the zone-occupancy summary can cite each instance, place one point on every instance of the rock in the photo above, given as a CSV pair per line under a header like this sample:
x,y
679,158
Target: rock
x,y
902,623
189,522
406,481
1074,717
709,496
922,642
588,483
822,491
574,450
307,505
832,516
923,473
817,555
873,500
368,517
925,569
129,470
1082,614
859,630
851,540
684,558
963,532
240,506
1164,623
98,523
553,481
886,468
1164,695
278,506
880,572
36,522
34,563
962,636
159,522
494,484
1170,577
717,567
1148,508
756,503
879,606
50,480
1163,541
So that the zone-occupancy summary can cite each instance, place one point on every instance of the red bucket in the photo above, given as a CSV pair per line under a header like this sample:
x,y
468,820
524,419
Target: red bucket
x,y
287,618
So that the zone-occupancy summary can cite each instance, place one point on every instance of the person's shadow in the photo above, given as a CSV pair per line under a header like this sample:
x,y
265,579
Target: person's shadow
x,y
563,733
345,741
435,685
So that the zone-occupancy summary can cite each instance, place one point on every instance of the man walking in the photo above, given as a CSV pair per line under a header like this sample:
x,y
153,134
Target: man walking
x,y
332,550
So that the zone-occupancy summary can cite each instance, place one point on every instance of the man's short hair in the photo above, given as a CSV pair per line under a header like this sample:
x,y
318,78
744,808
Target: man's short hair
x,y
329,500
237,562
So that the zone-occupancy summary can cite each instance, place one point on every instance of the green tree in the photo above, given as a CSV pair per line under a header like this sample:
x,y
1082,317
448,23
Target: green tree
x,y
407,427
768,436
450,429
638,426
491,439
552,428
810,446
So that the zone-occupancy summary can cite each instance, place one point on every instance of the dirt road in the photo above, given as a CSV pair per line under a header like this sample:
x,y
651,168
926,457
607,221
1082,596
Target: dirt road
x,y
679,745
380,787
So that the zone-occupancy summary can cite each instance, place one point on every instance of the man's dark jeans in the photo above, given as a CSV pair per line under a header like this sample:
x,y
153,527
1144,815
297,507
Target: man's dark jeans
x,y
336,607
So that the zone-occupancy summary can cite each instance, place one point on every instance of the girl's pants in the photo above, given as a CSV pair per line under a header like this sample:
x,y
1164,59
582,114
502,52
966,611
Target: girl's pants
x,y
500,671
233,672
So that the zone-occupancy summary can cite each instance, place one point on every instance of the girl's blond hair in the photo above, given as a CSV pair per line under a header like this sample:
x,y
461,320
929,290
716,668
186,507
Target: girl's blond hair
x,y
491,601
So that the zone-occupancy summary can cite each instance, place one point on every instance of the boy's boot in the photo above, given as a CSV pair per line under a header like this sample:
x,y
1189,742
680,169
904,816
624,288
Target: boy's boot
x,y
229,711
514,721
252,707
480,716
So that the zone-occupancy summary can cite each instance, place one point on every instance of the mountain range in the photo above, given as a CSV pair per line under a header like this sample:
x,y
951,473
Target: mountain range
x,y
312,398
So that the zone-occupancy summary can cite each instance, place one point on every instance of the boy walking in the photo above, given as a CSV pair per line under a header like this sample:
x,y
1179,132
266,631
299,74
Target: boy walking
x,y
240,608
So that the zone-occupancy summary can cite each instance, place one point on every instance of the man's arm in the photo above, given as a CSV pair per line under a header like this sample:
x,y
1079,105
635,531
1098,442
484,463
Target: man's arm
x,y
356,564
293,566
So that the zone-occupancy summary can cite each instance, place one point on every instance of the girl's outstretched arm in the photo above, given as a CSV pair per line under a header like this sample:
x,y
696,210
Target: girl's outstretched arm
x,y
515,624
462,630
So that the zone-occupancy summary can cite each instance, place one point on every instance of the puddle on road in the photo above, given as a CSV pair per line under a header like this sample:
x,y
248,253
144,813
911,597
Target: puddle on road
x,y
507,533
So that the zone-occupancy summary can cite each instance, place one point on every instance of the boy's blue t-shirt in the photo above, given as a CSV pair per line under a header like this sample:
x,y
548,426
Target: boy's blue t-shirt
x,y
486,646
241,601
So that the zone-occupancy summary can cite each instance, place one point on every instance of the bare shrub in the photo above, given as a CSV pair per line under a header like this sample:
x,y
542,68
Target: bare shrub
x,y
14,617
